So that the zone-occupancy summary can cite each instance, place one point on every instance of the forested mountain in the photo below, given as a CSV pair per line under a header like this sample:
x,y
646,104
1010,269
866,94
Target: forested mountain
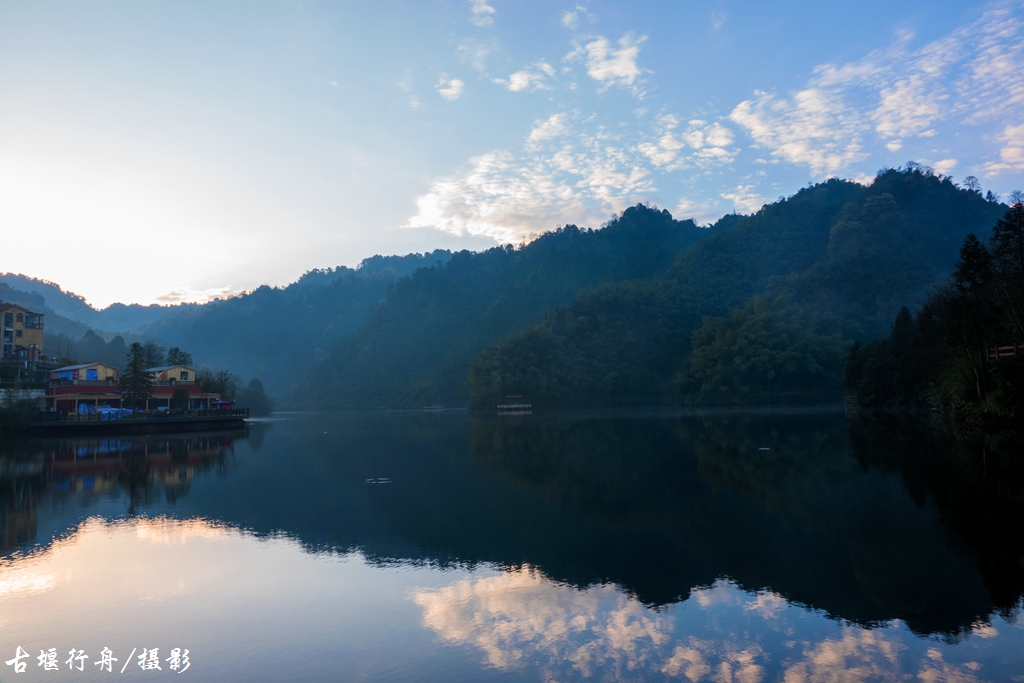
x,y
963,351
275,334
645,310
417,346
767,308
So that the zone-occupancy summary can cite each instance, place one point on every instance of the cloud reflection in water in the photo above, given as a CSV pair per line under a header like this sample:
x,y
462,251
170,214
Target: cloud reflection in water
x,y
520,619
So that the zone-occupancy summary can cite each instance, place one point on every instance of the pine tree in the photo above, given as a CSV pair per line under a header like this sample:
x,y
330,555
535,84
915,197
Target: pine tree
x,y
152,354
178,357
1008,253
136,383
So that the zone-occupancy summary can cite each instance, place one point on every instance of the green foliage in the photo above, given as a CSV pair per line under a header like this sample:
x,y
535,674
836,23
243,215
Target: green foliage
x,y
136,383
16,411
221,382
832,264
764,351
1008,254
153,354
254,398
91,348
606,348
941,357
176,356
418,345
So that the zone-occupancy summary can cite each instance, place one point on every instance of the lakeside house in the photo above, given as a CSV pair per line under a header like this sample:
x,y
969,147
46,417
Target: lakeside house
x,y
97,386
22,334
86,386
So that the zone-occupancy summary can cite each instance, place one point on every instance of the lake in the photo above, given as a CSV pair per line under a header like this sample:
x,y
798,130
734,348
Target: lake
x,y
444,546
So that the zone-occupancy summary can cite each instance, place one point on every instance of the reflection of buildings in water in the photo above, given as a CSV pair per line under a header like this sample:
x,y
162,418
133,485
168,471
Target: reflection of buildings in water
x,y
92,467
520,619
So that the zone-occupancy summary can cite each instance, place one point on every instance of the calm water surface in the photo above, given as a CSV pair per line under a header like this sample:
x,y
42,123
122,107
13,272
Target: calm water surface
x,y
449,547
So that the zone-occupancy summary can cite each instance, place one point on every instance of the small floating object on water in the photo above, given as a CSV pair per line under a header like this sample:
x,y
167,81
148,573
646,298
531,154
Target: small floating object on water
x,y
763,448
379,480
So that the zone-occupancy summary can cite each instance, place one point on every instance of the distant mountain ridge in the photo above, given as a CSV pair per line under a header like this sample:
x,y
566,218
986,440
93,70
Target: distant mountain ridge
x,y
644,310
277,333
416,347
117,317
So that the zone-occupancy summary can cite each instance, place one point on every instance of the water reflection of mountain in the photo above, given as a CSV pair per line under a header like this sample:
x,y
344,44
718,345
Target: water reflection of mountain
x,y
911,527
867,519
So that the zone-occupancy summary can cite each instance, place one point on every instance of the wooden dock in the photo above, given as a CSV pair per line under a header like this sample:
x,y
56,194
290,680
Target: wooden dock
x,y
59,424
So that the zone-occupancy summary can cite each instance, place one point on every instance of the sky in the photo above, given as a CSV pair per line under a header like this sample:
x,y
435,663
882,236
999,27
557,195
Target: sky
x,y
166,152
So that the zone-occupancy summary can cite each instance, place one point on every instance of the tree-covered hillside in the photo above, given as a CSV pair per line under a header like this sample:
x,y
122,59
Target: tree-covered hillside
x,y
963,351
764,309
276,334
416,347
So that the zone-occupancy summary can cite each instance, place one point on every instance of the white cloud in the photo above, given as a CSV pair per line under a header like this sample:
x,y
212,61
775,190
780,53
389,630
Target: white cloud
x,y
702,213
1011,156
992,84
520,617
481,13
814,127
529,79
405,84
202,296
609,66
718,20
984,630
501,198
944,166
450,89
745,199
663,151
710,143
571,18
475,52
973,74
859,655
549,128
695,660
570,170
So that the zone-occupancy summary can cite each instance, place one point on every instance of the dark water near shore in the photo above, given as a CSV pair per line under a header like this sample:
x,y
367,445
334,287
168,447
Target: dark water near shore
x,y
723,546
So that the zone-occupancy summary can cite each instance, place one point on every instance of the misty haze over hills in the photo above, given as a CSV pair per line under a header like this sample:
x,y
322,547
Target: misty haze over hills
x,y
647,309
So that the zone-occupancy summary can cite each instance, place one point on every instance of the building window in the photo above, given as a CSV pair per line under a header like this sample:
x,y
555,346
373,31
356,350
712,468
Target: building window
x,y
8,335
184,375
8,318
34,321
20,319
7,349
17,333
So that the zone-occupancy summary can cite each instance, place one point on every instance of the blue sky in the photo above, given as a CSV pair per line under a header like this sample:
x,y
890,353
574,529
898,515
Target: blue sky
x,y
178,151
